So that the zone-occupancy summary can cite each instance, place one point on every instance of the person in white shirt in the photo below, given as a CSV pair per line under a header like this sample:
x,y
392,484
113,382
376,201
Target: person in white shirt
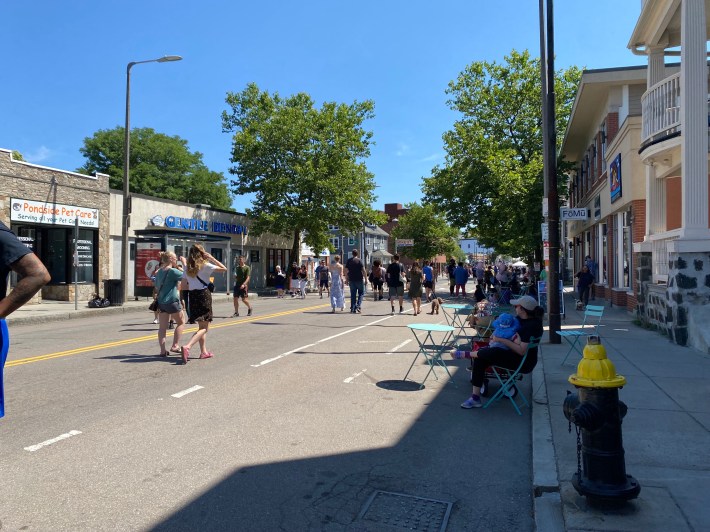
x,y
200,267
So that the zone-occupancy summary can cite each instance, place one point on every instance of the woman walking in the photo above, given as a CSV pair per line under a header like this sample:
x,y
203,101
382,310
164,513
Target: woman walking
x,y
279,282
337,289
167,279
200,266
415,287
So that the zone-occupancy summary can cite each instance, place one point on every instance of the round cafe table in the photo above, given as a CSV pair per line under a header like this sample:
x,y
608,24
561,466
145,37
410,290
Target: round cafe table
x,y
426,335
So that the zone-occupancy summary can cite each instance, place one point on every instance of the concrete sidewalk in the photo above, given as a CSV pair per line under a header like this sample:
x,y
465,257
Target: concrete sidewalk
x,y
666,432
65,310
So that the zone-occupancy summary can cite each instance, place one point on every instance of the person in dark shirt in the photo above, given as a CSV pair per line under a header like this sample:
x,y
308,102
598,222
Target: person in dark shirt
x,y
529,315
585,280
355,275
395,275
18,258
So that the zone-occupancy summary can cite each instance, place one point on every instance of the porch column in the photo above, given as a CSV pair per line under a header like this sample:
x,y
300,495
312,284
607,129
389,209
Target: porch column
x,y
694,120
655,188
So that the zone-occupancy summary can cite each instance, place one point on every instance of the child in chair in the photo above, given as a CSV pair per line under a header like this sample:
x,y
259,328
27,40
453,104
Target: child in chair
x,y
505,326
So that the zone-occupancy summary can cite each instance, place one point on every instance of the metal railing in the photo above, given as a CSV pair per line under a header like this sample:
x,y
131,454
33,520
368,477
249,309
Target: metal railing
x,y
661,259
660,106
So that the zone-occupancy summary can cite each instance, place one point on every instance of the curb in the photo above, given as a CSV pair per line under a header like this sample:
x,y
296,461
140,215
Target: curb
x,y
547,501
35,314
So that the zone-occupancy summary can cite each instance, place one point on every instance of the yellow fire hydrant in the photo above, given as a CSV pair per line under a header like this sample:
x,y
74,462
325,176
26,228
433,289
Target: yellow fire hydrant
x,y
597,413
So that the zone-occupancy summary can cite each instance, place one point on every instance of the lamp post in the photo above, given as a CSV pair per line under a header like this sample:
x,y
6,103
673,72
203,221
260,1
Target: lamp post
x,y
126,170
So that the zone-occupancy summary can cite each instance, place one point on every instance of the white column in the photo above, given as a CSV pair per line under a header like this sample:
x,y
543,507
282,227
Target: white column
x,y
694,119
655,188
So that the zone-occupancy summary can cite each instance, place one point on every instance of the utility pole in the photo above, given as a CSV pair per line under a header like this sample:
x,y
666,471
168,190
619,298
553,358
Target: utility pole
x,y
547,59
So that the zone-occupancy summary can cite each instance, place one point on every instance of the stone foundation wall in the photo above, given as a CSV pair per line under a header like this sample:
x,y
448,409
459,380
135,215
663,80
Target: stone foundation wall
x,y
681,309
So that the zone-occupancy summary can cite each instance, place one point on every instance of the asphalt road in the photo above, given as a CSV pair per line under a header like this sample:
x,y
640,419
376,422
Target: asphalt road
x,y
292,426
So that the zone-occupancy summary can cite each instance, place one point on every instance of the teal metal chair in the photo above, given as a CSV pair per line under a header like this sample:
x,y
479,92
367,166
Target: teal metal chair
x,y
590,326
508,380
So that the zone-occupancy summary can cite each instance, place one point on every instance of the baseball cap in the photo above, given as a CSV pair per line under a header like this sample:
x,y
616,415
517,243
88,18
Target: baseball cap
x,y
527,302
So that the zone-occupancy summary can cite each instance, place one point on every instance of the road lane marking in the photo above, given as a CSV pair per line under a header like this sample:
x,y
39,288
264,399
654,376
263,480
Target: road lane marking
x,y
400,346
33,448
624,330
355,376
287,353
148,338
185,392
282,355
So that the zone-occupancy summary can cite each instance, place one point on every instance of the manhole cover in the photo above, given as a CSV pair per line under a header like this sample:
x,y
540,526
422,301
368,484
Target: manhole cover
x,y
405,511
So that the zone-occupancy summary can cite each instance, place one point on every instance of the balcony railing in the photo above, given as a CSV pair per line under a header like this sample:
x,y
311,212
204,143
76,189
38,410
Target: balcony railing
x,y
660,106
661,259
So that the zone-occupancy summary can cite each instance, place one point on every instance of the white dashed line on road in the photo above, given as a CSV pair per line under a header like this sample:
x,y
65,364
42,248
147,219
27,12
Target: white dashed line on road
x,y
33,448
287,353
355,376
400,346
185,392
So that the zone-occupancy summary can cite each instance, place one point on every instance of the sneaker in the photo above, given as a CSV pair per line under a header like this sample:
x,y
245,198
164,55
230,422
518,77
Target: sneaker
x,y
401,310
358,310
155,321
392,313
235,315
472,403
249,312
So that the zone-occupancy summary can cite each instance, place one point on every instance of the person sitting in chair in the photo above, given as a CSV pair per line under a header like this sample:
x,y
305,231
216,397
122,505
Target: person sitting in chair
x,y
529,315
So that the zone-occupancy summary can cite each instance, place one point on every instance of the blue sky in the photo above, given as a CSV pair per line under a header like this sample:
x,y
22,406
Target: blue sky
x,y
64,72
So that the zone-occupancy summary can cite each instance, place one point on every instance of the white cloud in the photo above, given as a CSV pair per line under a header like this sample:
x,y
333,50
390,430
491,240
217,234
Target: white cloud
x,y
402,149
432,157
39,155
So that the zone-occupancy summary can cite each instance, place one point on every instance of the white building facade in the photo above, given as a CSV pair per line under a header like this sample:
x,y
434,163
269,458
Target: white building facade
x,y
674,266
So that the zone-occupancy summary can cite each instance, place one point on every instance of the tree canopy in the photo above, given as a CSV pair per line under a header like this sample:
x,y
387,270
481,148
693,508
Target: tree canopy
x,y
305,165
431,233
491,183
160,166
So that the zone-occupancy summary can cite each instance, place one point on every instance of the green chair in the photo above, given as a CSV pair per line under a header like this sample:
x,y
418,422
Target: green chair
x,y
590,326
508,380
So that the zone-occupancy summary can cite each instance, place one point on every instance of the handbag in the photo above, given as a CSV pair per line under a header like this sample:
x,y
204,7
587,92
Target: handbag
x,y
210,285
153,307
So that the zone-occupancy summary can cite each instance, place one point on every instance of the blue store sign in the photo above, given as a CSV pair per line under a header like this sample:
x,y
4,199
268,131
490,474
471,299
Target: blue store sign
x,y
192,224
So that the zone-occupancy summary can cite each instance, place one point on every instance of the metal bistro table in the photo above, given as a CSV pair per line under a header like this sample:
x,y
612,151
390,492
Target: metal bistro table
x,y
457,318
428,347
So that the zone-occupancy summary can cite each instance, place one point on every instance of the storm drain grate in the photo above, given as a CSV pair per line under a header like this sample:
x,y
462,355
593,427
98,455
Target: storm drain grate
x,y
405,511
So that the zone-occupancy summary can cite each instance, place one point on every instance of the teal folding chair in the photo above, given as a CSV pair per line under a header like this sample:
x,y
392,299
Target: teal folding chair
x,y
508,380
590,326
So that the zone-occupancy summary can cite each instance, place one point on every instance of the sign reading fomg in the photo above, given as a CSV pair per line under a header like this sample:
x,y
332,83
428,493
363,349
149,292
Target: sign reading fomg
x,y
38,212
569,213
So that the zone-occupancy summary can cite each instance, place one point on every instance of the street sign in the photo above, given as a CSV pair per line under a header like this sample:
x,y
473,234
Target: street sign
x,y
569,213
546,253
545,232
544,207
402,242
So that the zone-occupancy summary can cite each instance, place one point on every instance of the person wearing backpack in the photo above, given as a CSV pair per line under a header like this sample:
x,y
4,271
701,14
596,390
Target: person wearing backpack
x,y
377,279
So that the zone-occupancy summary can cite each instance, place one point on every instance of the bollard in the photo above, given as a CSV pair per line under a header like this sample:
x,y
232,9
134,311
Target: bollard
x,y
597,414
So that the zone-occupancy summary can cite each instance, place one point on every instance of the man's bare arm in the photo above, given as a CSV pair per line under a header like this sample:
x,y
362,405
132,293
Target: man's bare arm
x,y
33,276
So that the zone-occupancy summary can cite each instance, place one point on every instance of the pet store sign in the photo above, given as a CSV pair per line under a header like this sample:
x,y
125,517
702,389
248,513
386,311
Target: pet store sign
x,y
38,212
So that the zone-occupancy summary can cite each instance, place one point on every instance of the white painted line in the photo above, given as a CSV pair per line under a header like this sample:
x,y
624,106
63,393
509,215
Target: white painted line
x,y
287,353
626,330
400,346
185,392
282,355
355,376
33,448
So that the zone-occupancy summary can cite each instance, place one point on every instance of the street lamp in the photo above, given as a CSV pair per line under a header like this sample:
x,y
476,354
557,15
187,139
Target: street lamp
x,y
126,169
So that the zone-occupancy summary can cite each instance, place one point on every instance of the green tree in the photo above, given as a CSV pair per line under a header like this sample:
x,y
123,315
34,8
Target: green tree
x,y
431,233
17,156
304,164
491,184
161,166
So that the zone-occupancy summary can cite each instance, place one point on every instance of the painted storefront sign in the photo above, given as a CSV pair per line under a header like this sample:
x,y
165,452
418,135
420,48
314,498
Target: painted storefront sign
x,y
39,212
